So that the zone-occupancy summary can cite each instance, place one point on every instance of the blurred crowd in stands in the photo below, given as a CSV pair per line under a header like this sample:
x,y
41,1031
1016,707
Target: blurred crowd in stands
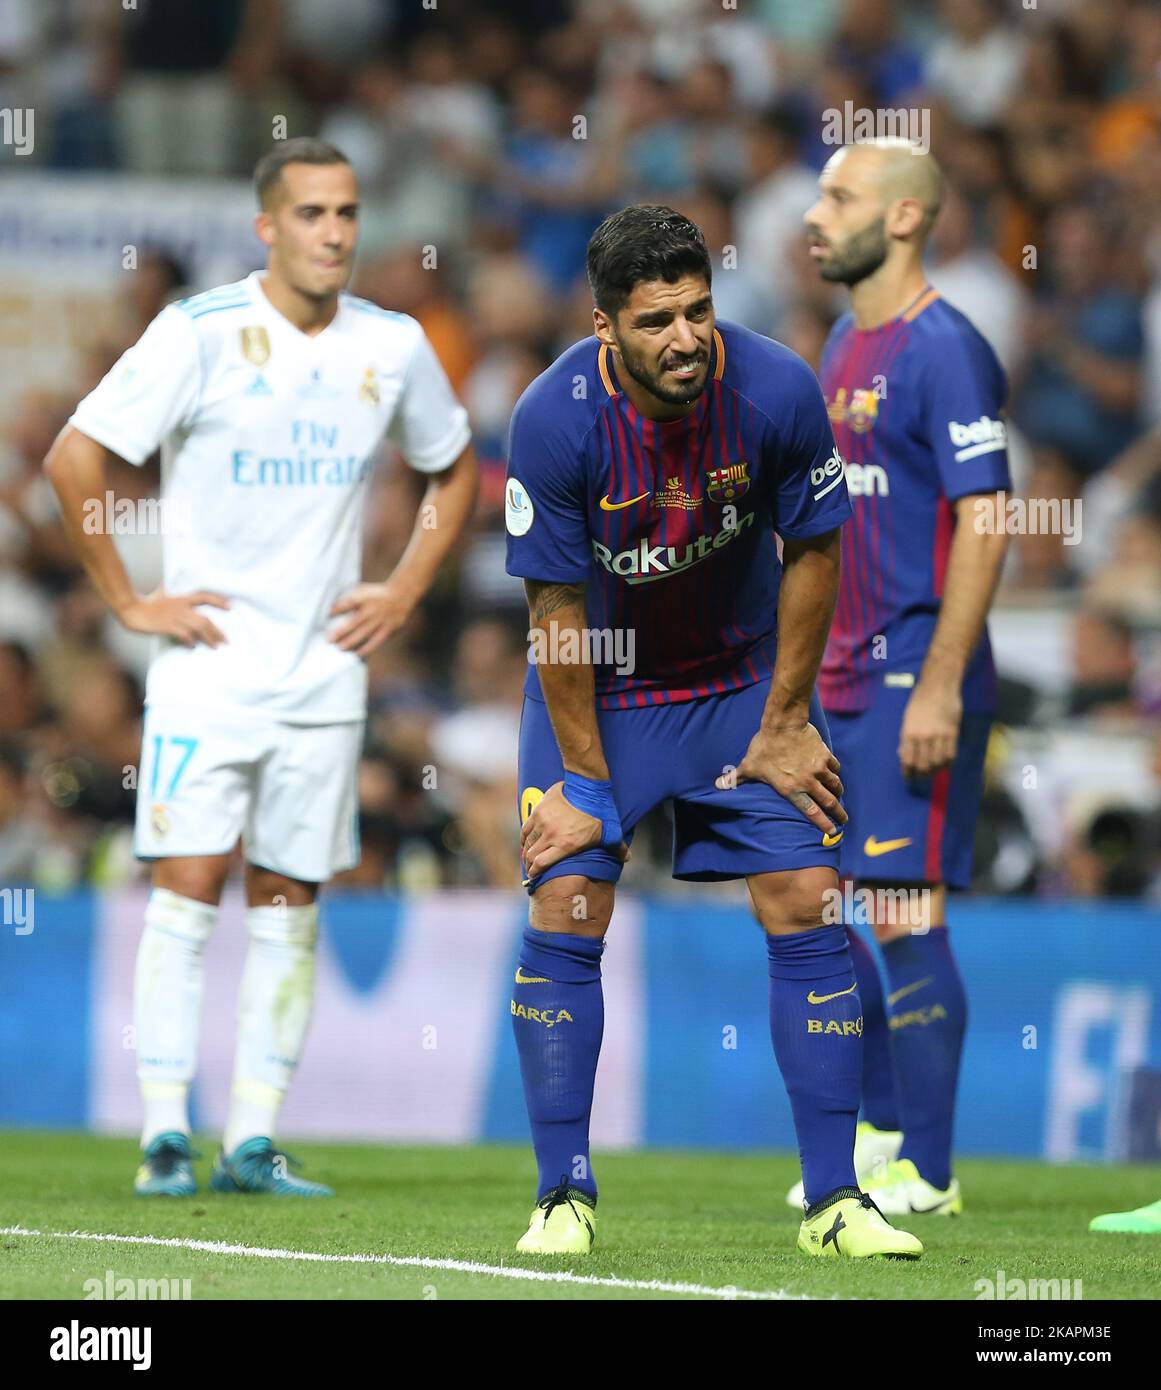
x,y
490,137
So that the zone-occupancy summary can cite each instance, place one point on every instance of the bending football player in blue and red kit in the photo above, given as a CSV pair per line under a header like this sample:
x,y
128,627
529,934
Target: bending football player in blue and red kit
x,y
650,469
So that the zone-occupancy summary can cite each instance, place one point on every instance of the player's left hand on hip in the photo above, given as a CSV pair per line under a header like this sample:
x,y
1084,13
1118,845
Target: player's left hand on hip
x,y
799,766
555,829
375,611
930,731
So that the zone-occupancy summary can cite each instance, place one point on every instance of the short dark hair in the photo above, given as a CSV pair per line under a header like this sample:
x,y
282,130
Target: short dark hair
x,y
303,150
644,242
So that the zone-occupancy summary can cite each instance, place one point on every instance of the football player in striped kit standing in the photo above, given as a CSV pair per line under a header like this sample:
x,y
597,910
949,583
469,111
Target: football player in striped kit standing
x,y
915,396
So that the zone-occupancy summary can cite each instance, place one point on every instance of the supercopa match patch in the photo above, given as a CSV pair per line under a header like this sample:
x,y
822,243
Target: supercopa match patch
x,y
518,511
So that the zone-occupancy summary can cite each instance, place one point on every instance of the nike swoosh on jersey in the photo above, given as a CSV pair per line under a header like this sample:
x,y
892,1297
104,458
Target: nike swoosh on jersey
x,y
830,840
872,848
813,998
607,506
908,989
522,979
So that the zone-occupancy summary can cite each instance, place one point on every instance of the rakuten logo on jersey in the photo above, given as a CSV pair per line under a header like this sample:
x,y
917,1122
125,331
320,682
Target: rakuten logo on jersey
x,y
982,436
867,480
644,562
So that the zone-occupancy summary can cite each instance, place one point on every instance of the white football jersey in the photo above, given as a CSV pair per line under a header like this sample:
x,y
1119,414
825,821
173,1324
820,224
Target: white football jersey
x,y
267,438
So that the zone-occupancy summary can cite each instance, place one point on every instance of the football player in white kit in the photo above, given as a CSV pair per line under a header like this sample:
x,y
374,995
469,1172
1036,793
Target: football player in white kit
x,y
269,399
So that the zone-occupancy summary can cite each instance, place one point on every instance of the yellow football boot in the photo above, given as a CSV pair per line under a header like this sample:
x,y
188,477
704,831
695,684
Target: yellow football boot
x,y
853,1228
562,1223
899,1191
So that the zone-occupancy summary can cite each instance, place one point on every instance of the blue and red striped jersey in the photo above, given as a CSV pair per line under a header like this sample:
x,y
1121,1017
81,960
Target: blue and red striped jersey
x,y
916,409
671,524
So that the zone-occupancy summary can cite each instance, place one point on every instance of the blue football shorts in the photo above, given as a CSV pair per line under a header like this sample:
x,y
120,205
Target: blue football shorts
x,y
906,830
675,752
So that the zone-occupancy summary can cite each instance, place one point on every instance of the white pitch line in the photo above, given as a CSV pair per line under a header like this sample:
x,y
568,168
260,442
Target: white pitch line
x,y
257,1252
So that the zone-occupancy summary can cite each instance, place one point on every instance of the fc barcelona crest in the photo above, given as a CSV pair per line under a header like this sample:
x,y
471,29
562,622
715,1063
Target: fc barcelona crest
x,y
256,346
863,410
728,484
860,413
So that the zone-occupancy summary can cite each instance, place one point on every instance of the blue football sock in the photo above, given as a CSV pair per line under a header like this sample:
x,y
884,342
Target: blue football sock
x,y
816,1026
558,1015
928,1017
880,1103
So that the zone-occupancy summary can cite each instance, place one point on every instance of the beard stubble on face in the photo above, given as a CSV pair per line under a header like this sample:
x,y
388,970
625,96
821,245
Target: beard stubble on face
x,y
681,393
862,255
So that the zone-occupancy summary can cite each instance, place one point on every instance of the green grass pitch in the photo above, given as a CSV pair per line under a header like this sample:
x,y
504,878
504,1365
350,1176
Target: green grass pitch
x,y
709,1220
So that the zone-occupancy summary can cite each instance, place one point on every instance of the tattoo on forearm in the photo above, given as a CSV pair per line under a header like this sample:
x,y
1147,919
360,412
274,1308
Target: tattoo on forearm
x,y
544,599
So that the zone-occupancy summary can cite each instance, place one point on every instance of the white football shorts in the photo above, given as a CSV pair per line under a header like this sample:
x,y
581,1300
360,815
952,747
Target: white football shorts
x,y
289,790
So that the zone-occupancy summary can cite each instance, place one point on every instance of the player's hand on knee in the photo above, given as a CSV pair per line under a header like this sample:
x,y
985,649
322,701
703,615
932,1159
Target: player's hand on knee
x,y
930,730
556,829
176,616
376,611
799,766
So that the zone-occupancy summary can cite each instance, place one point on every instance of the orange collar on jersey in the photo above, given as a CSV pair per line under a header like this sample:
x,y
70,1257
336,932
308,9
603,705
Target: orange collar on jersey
x,y
925,300
604,366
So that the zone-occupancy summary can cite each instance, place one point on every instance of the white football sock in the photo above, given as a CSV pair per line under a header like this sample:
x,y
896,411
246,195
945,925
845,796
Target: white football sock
x,y
167,1000
274,1006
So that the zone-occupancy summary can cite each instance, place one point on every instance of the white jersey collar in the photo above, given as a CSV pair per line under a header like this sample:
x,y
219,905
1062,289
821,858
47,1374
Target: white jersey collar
x,y
262,302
